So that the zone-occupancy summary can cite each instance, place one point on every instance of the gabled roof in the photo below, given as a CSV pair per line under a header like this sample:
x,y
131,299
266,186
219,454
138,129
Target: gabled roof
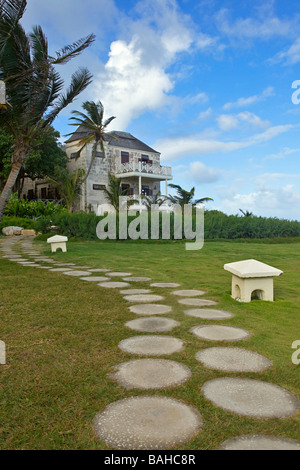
x,y
115,138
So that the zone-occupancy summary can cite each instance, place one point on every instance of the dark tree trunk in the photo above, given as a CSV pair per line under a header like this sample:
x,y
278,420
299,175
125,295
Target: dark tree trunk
x,y
9,186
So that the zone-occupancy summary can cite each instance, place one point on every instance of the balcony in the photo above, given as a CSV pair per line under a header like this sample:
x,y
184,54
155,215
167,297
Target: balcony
x,y
136,167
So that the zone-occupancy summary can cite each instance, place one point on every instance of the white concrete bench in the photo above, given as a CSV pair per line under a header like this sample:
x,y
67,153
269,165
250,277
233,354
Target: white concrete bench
x,y
58,241
252,278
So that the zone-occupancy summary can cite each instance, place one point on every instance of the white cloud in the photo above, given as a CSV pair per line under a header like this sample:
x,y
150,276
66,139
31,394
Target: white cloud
x,y
290,56
174,148
200,173
264,26
135,78
228,122
282,154
265,201
243,102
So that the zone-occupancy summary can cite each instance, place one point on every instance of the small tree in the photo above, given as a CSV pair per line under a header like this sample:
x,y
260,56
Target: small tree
x,y
186,197
68,186
114,191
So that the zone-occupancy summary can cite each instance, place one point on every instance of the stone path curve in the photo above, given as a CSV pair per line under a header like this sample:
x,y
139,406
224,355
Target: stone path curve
x,y
243,396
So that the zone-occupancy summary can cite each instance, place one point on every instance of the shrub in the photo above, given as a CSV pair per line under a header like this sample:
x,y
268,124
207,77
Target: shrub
x,y
17,222
31,209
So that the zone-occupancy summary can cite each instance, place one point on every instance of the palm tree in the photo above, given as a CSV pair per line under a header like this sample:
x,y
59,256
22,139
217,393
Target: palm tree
x,y
158,199
68,186
246,213
114,191
186,197
33,87
92,122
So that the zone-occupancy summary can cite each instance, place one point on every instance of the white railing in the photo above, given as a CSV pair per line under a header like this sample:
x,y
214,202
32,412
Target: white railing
x,y
135,166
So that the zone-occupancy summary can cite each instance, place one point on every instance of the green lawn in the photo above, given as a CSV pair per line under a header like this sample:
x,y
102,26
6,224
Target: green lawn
x,y
62,338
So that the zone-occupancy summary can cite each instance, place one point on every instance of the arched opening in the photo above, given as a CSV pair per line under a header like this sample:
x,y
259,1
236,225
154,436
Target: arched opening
x,y
257,294
236,292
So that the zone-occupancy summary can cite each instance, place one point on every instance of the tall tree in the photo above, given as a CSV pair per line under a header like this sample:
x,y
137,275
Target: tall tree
x,y
33,86
186,197
94,124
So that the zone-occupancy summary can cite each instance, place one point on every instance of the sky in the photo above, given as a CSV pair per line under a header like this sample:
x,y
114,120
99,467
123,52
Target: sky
x,y
213,85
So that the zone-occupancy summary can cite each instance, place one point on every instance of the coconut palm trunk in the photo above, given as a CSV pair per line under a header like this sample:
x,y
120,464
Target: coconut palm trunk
x,y
9,186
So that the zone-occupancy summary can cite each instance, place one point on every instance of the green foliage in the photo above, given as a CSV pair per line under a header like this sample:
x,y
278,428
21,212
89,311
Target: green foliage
x,y
216,226
16,222
68,185
31,209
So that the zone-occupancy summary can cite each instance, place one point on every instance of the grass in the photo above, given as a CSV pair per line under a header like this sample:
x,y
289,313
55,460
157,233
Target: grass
x,y
62,340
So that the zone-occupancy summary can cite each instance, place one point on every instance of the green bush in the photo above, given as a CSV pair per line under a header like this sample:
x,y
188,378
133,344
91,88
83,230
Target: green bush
x,y
31,209
216,226
17,222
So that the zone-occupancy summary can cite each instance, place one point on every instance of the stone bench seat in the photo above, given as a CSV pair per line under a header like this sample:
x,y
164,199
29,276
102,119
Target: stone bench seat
x,y
252,278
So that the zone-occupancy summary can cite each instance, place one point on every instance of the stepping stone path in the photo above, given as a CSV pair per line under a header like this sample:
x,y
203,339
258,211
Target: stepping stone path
x,y
143,298
220,333
208,314
150,309
233,360
164,284
197,302
113,285
95,279
250,397
76,273
150,345
151,374
152,422
147,423
135,291
152,324
259,442
188,292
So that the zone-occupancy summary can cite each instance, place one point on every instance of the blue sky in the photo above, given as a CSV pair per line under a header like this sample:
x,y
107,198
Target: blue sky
x,y
207,83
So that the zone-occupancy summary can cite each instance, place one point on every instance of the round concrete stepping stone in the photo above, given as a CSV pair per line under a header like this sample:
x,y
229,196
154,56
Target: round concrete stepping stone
x,y
147,423
150,374
143,298
95,279
152,324
18,260
259,442
137,279
113,285
116,274
76,273
197,302
12,256
150,309
135,291
59,270
250,397
188,292
81,267
165,284
99,270
233,360
208,314
220,333
42,267
151,345
65,264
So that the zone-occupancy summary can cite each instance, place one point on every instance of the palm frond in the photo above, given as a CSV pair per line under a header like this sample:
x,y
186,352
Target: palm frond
x,y
79,81
11,11
72,50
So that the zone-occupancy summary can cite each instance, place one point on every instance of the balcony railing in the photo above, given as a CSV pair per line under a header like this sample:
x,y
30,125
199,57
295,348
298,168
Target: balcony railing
x,y
135,166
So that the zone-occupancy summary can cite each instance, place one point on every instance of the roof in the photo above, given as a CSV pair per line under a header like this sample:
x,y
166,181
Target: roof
x,y
252,268
115,138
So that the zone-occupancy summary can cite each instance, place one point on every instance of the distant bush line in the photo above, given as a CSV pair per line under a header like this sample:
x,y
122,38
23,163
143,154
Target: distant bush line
x,y
217,226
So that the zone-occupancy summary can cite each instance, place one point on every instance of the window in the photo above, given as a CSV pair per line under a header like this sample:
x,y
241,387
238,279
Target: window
x,y
43,193
145,158
73,155
99,154
126,187
146,191
98,187
124,157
